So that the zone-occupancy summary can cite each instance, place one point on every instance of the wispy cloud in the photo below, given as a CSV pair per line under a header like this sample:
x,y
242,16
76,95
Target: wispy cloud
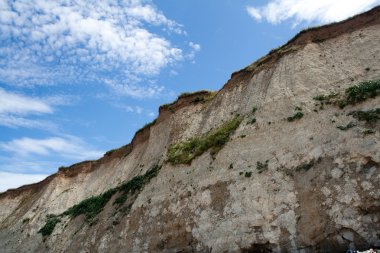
x,y
137,91
13,121
13,180
15,108
20,104
67,147
308,11
51,42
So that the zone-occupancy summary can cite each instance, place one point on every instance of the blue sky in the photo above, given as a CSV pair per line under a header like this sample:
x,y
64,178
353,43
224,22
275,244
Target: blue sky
x,y
78,78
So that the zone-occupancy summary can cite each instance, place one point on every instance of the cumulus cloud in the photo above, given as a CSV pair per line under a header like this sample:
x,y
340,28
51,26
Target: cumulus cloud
x,y
13,180
68,147
308,11
51,42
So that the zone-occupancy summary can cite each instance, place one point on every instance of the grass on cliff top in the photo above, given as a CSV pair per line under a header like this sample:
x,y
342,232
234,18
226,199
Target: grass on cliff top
x,y
92,206
184,152
353,95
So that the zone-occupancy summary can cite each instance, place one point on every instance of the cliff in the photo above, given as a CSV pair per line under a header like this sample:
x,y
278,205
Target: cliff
x,y
284,158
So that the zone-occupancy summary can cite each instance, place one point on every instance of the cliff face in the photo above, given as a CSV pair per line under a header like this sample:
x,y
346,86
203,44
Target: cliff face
x,y
283,158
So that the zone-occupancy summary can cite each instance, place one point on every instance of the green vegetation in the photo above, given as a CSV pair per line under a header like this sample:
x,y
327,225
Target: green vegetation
x,y
94,205
252,121
26,220
305,166
296,116
363,91
201,97
346,127
326,98
184,152
205,97
353,95
91,206
52,220
369,116
254,109
150,124
248,174
262,166
136,184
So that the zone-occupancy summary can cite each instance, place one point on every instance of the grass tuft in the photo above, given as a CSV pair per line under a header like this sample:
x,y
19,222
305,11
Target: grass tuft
x,y
48,229
184,152
296,116
262,166
369,116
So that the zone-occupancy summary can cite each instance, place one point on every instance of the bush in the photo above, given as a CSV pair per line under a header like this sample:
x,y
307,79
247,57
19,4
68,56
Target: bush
x,y
49,225
262,166
362,91
353,95
368,116
325,98
296,116
248,174
91,206
184,152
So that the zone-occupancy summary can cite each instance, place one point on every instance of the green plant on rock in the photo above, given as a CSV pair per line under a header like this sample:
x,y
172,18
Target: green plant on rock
x,y
353,94
92,206
326,98
296,116
184,152
363,91
369,116
50,224
305,166
248,174
262,166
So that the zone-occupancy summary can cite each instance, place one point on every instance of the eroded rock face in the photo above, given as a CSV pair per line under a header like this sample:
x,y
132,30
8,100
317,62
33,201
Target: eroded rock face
x,y
275,186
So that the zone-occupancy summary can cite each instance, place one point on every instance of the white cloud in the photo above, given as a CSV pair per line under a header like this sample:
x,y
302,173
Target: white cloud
x,y
322,11
68,147
194,48
19,104
12,121
254,12
52,42
13,180
136,91
15,107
